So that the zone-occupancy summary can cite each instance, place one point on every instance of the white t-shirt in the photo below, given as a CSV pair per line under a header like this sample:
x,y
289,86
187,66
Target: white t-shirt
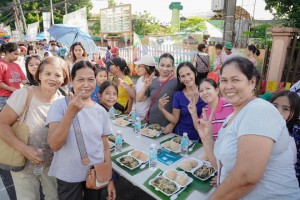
x,y
260,117
141,108
94,123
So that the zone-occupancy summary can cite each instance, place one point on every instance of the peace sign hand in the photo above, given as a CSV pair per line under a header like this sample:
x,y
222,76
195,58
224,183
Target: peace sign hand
x,y
149,80
192,105
205,130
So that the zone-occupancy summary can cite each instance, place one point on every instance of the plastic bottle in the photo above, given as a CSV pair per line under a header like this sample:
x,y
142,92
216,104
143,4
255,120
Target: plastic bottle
x,y
133,114
184,144
118,141
153,157
137,127
112,113
38,169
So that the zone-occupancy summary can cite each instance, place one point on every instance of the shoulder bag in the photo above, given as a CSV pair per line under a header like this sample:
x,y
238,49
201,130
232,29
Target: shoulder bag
x,y
10,158
99,174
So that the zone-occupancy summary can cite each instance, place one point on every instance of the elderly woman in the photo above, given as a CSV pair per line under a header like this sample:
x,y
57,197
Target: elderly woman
x,y
52,73
67,165
251,152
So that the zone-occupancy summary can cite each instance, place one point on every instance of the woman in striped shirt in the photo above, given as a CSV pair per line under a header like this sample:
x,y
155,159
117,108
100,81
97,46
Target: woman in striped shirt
x,y
209,93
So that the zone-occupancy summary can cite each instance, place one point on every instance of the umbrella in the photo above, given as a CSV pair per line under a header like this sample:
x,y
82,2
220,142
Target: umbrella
x,y
69,35
41,36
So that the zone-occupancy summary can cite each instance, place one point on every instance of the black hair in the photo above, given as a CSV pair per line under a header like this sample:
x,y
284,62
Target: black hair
x,y
245,66
100,69
166,55
72,50
151,69
121,63
254,49
210,81
30,48
9,47
201,47
294,101
82,64
106,84
219,46
30,77
180,85
108,47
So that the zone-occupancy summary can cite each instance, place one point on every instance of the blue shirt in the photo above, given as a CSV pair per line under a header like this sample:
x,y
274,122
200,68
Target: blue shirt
x,y
185,122
94,96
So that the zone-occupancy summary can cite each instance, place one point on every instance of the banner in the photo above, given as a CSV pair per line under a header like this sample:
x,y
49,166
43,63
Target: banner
x,y
15,37
32,31
46,24
8,29
77,18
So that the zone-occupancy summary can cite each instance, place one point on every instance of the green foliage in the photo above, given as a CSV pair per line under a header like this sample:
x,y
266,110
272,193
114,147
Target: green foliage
x,y
193,24
145,24
175,5
111,3
95,28
261,35
285,9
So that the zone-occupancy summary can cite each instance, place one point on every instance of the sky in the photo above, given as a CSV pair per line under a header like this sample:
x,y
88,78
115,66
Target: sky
x,y
160,8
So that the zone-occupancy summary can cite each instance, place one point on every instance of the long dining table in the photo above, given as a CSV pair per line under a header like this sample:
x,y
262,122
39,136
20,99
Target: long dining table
x,y
143,143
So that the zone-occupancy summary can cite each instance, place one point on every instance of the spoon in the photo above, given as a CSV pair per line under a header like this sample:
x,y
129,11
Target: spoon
x,y
192,147
143,166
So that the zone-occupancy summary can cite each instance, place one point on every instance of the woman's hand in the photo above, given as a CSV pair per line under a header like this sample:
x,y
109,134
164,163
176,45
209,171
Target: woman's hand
x,y
163,101
33,155
149,80
123,83
168,129
111,191
76,103
192,105
205,125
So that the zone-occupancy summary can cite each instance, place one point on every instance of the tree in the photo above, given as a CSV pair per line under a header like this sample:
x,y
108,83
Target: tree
x,y
145,24
193,24
111,3
285,9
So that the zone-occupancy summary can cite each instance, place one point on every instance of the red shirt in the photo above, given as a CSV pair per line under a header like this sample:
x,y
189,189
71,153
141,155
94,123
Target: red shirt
x,y
11,74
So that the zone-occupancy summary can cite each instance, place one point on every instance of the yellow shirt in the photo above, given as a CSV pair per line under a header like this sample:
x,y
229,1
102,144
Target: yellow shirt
x,y
123,96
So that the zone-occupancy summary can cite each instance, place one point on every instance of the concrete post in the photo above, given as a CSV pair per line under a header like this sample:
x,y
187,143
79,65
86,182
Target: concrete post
x,y
281,41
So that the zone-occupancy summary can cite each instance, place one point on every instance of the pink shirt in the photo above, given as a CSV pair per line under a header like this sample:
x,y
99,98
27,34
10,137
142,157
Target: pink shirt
x,y
11,74
222,111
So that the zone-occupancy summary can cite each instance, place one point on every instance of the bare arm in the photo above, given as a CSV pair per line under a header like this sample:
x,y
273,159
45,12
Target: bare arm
x,y
7,117
141,95
6,87
252,158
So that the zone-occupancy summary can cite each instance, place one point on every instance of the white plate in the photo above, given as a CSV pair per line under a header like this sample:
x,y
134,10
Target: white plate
x,y
125,123
131,168
177,185
200,163
130,153
203,179
179,173
147,135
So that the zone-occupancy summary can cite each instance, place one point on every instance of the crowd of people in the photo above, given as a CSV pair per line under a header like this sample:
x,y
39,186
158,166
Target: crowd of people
x,y
253,143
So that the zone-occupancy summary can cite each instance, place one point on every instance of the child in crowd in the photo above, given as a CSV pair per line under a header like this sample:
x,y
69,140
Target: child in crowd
x,y
108,94
101,76
288,104
97,59
31,65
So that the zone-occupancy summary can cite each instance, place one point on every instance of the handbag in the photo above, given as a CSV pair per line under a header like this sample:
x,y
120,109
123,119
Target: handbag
x,y
10,158
99,174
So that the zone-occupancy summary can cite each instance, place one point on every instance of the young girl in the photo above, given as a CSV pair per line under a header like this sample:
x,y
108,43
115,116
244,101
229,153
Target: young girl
x,y
78,52
31,65
288,104
97,59
101,76
108,94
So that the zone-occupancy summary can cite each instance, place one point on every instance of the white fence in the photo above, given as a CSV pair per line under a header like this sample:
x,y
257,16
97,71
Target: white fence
x,y
180,54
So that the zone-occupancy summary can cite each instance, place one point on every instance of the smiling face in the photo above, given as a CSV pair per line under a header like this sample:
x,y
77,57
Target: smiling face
x,y
101,77
235,86
78,51
13,56
33,65
165,67
208,93
141,70
51,77
187,76
85,82
282,104
109,96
